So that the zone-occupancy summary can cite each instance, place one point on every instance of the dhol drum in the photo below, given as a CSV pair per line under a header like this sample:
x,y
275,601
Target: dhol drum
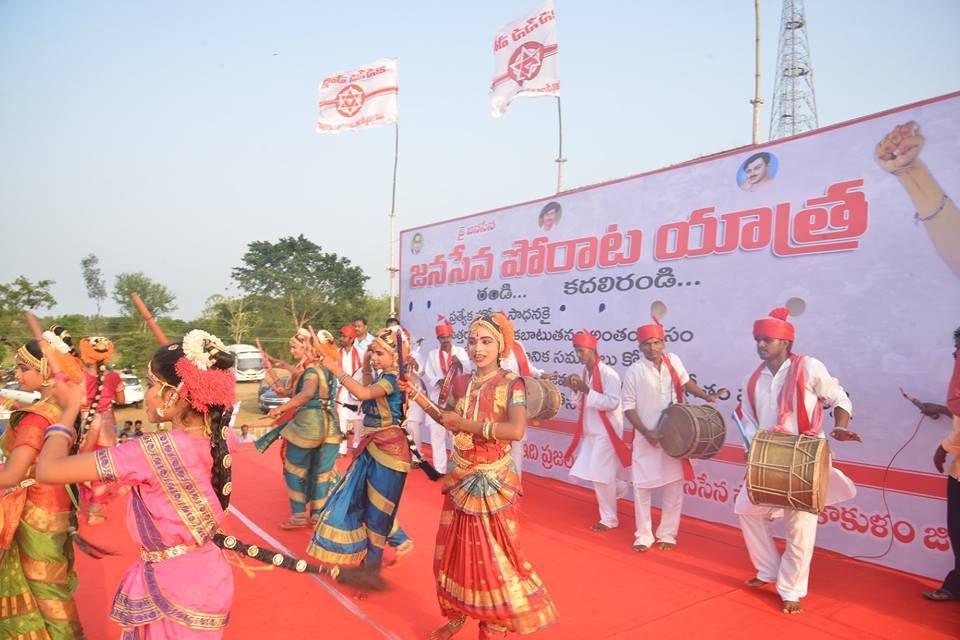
x,y
543,399
790,471
691,431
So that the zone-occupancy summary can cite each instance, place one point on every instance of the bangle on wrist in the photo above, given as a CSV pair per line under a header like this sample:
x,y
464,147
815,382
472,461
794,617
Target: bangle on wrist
x,y
58,430
943,202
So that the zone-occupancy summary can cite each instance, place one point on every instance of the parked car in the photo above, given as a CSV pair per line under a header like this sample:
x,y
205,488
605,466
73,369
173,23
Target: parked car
x,y
249,365
132,391
268,398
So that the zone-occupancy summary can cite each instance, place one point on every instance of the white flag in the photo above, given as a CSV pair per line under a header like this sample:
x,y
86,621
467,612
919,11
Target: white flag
x,y
525,55
364,97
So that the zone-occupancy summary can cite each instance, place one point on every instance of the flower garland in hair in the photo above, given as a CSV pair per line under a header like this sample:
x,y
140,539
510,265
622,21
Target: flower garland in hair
x,y
56,342
200,348
201,384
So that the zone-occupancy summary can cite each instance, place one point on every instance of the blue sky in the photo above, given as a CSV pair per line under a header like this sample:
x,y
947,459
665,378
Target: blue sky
x,y
166,136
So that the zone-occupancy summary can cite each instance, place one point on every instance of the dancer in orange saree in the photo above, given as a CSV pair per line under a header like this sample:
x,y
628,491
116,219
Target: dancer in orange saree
x,y
480,570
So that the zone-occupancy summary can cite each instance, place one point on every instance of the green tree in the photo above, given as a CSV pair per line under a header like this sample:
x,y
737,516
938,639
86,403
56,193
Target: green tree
x,y
297,274
22,295
15,298
236,315
158,298
96,285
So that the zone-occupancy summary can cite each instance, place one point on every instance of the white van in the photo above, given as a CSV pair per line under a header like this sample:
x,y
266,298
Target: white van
x,y
249,365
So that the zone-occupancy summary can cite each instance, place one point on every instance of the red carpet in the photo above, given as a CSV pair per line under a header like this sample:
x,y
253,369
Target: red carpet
x,y
602,588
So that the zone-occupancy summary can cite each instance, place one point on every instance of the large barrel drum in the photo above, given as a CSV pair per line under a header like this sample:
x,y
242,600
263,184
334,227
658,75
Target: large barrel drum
x,y
691,431
786,470
543,399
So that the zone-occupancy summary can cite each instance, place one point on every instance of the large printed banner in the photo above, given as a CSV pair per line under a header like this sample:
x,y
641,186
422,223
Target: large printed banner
x,y
827,217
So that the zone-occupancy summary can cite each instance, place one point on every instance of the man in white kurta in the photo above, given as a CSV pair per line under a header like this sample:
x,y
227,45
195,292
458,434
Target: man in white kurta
x,y
351,420
415,415
596,460
767,408
435,370
517,362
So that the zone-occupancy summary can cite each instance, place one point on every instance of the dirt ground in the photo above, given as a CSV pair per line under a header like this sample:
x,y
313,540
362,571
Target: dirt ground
x,y
249,411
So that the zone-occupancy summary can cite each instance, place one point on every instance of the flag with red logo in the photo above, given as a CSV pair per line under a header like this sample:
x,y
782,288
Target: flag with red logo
x,y
525,55
361,98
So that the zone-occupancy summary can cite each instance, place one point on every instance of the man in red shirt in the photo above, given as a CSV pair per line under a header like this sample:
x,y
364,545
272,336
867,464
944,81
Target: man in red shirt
x,y
950,590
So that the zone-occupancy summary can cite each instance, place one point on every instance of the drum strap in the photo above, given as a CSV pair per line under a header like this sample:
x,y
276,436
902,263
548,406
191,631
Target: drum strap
x,y
619,446
444,361
354,359
678,391
677,387
791,398
521,357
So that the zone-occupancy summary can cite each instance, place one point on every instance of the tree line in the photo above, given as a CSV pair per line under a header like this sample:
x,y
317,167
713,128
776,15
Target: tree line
x,y
282,285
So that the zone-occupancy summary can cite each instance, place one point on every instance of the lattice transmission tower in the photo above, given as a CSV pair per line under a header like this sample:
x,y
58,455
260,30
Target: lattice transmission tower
x,y
794,100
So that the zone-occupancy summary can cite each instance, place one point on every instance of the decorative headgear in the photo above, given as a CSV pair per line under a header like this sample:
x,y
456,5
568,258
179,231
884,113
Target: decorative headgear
x,y
348,331
585,339
387,340
775,326
57,341
66,361
501,327
96,349
444,328
302,336
327,346
649,331
200,383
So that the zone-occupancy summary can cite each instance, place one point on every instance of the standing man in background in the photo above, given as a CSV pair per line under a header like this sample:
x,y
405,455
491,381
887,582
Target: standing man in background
x,y
438,363
950,589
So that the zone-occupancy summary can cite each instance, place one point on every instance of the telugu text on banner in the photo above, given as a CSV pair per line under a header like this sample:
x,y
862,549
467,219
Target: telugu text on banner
x,y
826,217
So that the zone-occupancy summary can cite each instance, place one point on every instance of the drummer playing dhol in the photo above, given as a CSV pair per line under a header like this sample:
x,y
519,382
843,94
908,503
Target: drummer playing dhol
x,y
769,402
651,385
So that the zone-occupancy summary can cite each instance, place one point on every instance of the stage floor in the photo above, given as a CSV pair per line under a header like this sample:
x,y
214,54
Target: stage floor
x,y
602,588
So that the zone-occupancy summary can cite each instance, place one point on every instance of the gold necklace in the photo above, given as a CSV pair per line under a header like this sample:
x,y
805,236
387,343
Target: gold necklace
x,y
477,379
464,440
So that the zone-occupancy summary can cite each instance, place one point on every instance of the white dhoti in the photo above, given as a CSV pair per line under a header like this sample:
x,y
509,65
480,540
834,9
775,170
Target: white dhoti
x,y
762,408
597,463
791,571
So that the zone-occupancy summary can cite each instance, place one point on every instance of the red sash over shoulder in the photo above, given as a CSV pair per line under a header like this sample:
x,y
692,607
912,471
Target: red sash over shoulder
x,y
791,399
619,446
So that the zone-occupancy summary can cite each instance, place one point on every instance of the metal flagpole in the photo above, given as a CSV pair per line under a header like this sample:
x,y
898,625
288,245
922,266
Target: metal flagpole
x,y
757,100
392,269
560,159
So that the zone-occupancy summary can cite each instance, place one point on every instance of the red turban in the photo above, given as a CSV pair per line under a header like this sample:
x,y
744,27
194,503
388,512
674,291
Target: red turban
x,y
585,339
648,331
348,331
444,328
774,326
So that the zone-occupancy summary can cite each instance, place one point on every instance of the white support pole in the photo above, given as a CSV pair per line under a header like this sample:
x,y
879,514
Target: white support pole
x,y
392,269
560,159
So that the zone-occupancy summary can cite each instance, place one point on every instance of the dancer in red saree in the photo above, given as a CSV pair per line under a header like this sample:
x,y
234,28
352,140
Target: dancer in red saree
x,y
480,570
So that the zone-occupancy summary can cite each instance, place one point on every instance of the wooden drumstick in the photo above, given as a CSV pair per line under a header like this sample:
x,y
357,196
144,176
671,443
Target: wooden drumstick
x,y
148,318
916,403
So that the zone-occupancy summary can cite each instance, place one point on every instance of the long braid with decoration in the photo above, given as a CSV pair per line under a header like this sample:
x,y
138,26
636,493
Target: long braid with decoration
x,y
91,415
216,408
401,348
59,339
